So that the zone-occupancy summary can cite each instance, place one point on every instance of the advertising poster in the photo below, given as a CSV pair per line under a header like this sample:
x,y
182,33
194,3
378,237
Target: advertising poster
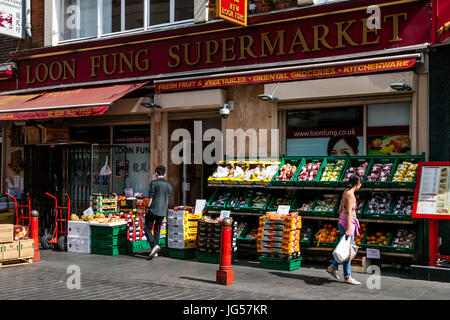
x,y
433,196
11,18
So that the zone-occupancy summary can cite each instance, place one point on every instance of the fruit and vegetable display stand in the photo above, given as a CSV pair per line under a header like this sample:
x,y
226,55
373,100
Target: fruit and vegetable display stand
x,y
313,186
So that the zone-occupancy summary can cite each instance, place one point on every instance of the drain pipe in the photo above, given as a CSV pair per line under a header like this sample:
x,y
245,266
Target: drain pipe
x,y
28,17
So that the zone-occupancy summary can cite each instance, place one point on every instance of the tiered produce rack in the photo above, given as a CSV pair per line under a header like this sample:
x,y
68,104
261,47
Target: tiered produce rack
x,y
386,222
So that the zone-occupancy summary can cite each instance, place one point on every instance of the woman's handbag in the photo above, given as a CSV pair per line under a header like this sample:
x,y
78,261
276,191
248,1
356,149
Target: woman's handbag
x,y
343,250
353,251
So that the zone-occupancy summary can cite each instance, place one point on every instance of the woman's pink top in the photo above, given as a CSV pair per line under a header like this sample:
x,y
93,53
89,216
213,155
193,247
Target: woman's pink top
x,y
354,220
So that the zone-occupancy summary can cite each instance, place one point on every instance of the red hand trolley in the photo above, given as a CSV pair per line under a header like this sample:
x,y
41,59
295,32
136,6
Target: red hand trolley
x,y
59,236
23,218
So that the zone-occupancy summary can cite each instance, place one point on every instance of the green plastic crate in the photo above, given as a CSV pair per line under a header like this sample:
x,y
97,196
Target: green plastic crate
x,y
247,194
298,162
412,250
162,242
108,240
355,162
306,243
210,257
109,250
275,196
373,246
280,264
216,194
378,216
381,184
251,208
325,213
182,253
108,231
325,162
297,202
414,159
136,246
304,163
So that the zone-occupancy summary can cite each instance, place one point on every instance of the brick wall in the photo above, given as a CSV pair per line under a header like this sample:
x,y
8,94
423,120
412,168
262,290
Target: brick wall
x,y
261,6
8,45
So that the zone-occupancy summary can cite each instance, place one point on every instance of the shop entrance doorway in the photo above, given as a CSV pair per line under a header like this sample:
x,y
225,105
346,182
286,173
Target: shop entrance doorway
x,y
189,181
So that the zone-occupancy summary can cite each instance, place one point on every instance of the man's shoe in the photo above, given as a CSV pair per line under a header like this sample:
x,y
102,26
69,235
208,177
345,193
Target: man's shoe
x,y
154,251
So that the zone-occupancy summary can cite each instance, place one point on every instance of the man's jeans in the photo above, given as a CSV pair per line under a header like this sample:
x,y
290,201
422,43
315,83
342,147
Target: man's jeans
x,y
152,221
346,264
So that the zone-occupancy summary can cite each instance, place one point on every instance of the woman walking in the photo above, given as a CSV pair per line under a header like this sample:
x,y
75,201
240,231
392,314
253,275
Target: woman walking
x,y
348,225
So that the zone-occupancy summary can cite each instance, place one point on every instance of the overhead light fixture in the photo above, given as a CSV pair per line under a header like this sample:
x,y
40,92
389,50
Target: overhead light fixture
x,y
269,97
150,105
401,87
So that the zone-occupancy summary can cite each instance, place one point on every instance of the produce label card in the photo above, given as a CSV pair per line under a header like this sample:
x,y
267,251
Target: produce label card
x,y
224,214
283,209
199,206
373,253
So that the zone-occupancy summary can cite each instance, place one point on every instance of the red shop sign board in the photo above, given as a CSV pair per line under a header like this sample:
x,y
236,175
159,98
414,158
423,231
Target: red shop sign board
x,y
432,194
234,11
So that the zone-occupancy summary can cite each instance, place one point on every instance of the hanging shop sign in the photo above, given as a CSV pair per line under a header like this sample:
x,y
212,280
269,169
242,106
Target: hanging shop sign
x,y
234,11
11,18
210,48
55,114
300,74
432,195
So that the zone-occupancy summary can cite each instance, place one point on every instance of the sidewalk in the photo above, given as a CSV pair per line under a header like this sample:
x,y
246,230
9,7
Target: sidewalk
x,y
133,277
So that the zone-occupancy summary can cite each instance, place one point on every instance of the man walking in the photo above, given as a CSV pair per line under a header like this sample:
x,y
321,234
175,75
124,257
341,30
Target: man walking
x,y
160,191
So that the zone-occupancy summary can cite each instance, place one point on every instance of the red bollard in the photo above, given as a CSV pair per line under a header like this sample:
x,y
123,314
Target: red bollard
x,y
225,274
35,234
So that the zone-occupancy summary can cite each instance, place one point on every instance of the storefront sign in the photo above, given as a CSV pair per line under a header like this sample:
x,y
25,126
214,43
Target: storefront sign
x,y
11,18
441,20
300,74
54,114
315,33
234,11
432,195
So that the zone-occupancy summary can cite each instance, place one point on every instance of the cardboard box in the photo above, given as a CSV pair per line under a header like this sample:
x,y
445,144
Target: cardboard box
x,y
10,251
7,217
6,233
33,135
26,248
53,133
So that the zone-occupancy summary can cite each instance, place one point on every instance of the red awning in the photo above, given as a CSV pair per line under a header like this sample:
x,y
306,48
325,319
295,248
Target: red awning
x,y
63,104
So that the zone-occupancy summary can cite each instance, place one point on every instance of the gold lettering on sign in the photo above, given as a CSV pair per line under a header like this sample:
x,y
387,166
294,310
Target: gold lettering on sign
x,y
29,81
246,49
265,42
106,63
69,68
143,65
299,39
129,62
187,53
174,56
395,35
38,72
95,65
226,49
366,31
342,33
209,51
52,70
322,38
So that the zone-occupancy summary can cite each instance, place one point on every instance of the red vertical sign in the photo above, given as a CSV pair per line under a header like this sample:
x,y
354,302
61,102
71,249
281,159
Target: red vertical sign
x,y
234,11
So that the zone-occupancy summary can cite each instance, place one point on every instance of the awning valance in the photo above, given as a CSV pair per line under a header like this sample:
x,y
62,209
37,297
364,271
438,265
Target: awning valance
x,y
63,104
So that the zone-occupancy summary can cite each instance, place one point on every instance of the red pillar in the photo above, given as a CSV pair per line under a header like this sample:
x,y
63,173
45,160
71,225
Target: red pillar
x,y
434,241
225,274
35,234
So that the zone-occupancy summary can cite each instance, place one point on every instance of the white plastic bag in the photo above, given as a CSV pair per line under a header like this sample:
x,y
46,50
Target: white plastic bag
x,y
106,170
342,251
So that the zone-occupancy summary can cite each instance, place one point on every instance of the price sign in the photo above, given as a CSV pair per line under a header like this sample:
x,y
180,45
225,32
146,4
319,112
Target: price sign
x,y
373,253
199,206
283,209
224,214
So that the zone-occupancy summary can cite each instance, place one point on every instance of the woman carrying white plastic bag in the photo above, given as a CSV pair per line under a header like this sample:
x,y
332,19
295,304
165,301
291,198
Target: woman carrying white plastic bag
x,y
348,225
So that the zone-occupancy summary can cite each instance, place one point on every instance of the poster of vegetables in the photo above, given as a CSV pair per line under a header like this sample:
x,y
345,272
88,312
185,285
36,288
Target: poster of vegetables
x,y
388,145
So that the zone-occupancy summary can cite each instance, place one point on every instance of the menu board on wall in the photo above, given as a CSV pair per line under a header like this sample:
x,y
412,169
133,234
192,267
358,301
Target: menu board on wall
x,y
432,196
